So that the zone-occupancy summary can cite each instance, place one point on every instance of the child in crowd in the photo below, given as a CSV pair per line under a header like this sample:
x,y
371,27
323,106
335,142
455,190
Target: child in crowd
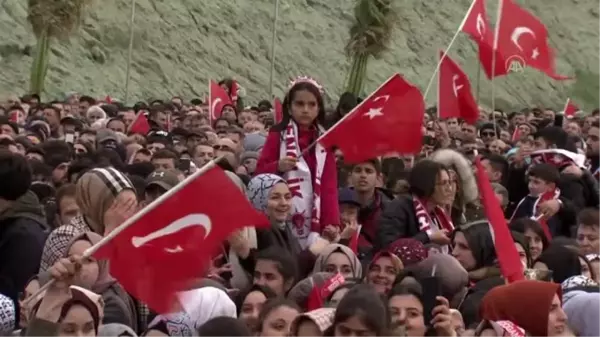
x,y
542,184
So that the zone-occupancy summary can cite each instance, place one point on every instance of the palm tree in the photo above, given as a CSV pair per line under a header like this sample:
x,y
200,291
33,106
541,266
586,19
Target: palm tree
x,y
370,36
50,19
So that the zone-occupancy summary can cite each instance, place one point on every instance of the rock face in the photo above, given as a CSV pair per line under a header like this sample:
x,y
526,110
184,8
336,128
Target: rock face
x,y
180,44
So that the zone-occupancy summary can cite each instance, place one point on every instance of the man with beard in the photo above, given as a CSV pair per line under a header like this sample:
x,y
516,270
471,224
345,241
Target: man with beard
x,y
593,149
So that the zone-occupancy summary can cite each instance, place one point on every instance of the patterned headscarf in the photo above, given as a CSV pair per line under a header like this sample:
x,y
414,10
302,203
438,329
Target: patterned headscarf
x,y
95,192
7,315
259,188
410,251
104,279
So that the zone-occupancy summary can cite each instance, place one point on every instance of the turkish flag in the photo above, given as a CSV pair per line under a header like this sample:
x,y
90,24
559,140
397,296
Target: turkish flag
x,y
140,124
319,294
278,110
454,92
508,257
234,91
570,108
218,99
172,242
387,121
477,25
522,40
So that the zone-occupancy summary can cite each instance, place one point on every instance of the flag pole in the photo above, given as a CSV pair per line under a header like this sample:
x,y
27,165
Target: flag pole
x,y
439,64
496,32
273,42
90,251
477,83
130,51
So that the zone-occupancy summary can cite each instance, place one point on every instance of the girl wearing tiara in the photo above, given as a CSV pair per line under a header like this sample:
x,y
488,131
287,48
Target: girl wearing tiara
x,y
309,169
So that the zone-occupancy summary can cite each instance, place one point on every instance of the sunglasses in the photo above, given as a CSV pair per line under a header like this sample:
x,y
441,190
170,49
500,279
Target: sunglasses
x,y
488,134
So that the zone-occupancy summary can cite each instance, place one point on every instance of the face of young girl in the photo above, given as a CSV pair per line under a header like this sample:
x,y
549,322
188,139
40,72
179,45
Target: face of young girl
x,y
304,108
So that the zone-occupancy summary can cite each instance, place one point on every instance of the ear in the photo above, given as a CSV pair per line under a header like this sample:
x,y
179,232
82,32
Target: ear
x,y
287,285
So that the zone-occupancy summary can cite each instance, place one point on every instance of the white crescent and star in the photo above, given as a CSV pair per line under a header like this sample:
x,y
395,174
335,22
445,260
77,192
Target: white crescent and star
x,y
454,86
375,112
213,106
187,221
480,25
516,34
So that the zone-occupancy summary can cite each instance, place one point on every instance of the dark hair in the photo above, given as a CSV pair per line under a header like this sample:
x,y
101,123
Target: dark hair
x,y
107,157
480,241
520,239
375,162
362,301
498,163
522,224
87,99
287,103
286,264
273,304
15,175
143,169
165,154
563,262
423,176
241,297
589,217
545,172
223,326
66,190
554,136
79,167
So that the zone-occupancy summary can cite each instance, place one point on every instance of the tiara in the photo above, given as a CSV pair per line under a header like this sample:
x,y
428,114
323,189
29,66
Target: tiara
x,y
305,79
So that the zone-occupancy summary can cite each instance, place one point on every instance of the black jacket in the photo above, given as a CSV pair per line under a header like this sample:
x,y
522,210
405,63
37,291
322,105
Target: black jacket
x,y
23,232
398,220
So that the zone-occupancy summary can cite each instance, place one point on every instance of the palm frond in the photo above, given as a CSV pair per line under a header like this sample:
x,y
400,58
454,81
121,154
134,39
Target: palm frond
x,y
56,18
372,30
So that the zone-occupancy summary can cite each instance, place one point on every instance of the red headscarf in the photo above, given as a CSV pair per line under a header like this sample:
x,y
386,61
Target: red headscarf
x,y
525,303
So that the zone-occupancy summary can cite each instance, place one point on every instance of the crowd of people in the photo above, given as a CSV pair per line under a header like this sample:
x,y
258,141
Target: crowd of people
x,y
397,245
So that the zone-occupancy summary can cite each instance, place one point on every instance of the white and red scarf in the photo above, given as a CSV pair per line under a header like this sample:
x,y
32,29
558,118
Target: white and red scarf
x,y
548,195
439,222
306,197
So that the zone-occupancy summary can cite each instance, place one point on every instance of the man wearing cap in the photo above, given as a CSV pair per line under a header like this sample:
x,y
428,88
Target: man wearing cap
x,y
158,183
106,138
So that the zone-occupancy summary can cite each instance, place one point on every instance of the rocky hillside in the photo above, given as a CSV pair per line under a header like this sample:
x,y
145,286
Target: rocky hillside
x,y
180,44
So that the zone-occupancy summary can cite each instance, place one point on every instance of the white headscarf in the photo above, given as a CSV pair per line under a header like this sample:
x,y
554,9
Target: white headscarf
x,y
199,306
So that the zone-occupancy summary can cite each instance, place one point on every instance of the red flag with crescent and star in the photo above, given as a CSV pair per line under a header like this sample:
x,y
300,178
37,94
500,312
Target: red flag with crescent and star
x,y
172,243
521,39
218,99
570,108
389,120
455,98
477,25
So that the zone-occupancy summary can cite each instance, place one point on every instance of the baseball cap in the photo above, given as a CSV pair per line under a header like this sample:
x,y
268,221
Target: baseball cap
x,y
104,135
165,179
347,195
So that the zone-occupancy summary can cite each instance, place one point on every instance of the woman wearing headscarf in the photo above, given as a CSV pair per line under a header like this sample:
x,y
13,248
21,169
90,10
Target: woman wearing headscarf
x,y
533,305
66,310
94,276
336,258
106,198
270,194
197,307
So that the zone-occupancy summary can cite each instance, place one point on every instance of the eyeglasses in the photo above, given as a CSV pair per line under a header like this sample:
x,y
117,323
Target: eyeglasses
x,y
488,134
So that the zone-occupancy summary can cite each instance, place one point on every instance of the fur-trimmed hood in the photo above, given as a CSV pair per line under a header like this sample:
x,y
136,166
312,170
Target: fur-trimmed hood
x,y
453,159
